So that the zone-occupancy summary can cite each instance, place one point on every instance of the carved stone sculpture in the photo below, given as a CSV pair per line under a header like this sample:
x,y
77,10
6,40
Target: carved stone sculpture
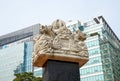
x,y
59,43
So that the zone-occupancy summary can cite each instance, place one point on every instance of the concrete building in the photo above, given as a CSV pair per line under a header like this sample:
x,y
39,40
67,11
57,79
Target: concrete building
x,y
103,46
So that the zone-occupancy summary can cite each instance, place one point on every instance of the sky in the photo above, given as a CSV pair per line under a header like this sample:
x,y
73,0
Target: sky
x,y
18,14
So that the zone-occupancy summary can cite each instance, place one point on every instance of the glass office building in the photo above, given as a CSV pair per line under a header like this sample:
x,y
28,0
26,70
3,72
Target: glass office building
x,y
16,52
9,60
103,47
15,59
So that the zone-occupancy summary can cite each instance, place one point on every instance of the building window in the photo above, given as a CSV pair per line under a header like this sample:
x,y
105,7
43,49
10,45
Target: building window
x,y
107,60
108,70
107,65
92,43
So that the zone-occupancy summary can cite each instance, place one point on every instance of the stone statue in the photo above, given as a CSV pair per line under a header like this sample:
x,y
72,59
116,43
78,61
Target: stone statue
x,y
57,40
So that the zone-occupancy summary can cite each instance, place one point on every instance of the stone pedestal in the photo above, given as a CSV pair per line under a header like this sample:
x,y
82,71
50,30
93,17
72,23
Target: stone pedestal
x,y
61,71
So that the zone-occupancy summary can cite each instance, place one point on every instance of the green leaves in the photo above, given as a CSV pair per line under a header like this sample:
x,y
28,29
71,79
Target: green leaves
x,y
26,77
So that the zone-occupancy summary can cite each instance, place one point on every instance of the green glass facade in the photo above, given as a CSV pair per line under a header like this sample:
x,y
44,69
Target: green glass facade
x,y
110,49
104,48
93,70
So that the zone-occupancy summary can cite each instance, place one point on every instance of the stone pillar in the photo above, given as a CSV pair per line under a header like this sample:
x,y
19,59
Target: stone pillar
x,y
61,71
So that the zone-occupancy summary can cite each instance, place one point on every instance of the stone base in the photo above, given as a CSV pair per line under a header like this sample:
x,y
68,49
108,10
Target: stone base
x,y
61,71
43,58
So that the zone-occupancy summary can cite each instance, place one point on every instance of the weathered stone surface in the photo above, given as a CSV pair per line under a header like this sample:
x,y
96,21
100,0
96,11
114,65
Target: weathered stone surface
x,y
59,43
61,71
